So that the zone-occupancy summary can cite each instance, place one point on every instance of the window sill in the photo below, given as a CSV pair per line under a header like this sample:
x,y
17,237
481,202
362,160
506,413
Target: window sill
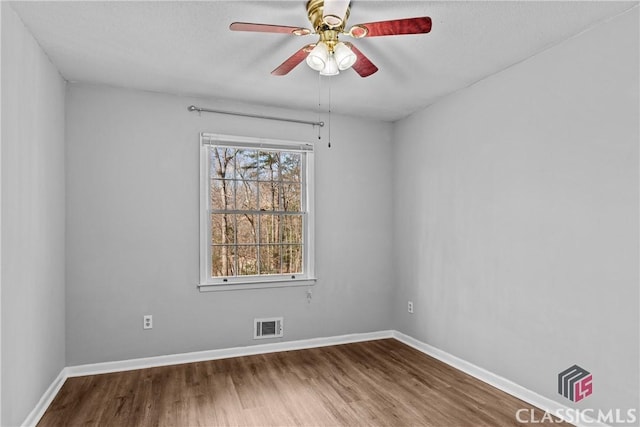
x,y
240,286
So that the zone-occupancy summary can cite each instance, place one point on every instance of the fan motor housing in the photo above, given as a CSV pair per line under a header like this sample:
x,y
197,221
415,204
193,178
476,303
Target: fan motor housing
x,y
315,9
328,34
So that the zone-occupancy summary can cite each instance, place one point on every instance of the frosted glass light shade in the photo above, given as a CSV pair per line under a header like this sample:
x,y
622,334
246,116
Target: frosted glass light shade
x,y
331,69
317,58
344,56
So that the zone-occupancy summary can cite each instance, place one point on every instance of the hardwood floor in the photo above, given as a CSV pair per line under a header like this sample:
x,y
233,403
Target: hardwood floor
x,y
380,382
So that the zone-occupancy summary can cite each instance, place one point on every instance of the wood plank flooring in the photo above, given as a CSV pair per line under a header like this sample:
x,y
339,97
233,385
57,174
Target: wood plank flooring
x,y
375,383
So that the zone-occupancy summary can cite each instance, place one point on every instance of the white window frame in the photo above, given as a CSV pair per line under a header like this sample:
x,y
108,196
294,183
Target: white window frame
x,y
209,283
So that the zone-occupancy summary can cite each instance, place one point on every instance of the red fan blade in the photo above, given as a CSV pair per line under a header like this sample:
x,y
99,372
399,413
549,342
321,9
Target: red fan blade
x,y
266,28
392,28
363,66
293,61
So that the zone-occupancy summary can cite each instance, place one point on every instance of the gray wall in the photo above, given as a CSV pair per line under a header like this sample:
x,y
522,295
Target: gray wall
x,y
132,229
33,233
516,229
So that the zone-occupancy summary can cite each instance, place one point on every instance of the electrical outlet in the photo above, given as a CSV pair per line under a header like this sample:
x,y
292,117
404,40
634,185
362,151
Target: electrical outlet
x,y
147,322
410,307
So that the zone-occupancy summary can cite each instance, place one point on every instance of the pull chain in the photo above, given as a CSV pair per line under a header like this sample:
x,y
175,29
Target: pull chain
x,y
329,120
319,110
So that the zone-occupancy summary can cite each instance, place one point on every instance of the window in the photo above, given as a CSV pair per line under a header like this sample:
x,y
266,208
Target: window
x,y
256,212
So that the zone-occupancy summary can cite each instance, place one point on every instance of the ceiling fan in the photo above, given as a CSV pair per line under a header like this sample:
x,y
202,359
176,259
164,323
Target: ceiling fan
x,y
329,56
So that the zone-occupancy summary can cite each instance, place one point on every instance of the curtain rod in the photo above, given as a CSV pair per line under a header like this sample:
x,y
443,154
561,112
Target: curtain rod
x,y
256,116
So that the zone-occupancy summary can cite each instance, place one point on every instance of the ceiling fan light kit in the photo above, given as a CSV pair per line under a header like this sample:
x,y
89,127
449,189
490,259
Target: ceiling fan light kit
x,y
330,62
329,55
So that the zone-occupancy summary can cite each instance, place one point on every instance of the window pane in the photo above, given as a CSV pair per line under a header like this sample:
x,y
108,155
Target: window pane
x,y
246,164
247,260
291,259
268,165
270,195
223,261
270,228
291,197
223,229
222,162
270,259
247,229
222,194
247,195
290,166
292,229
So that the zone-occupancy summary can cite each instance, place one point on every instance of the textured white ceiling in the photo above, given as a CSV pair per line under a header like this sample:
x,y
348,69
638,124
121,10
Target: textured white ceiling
x,y
185,47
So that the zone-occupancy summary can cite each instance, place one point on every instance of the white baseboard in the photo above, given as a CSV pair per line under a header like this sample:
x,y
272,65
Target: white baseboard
x,y
509,387
34,417
199,356
483,375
